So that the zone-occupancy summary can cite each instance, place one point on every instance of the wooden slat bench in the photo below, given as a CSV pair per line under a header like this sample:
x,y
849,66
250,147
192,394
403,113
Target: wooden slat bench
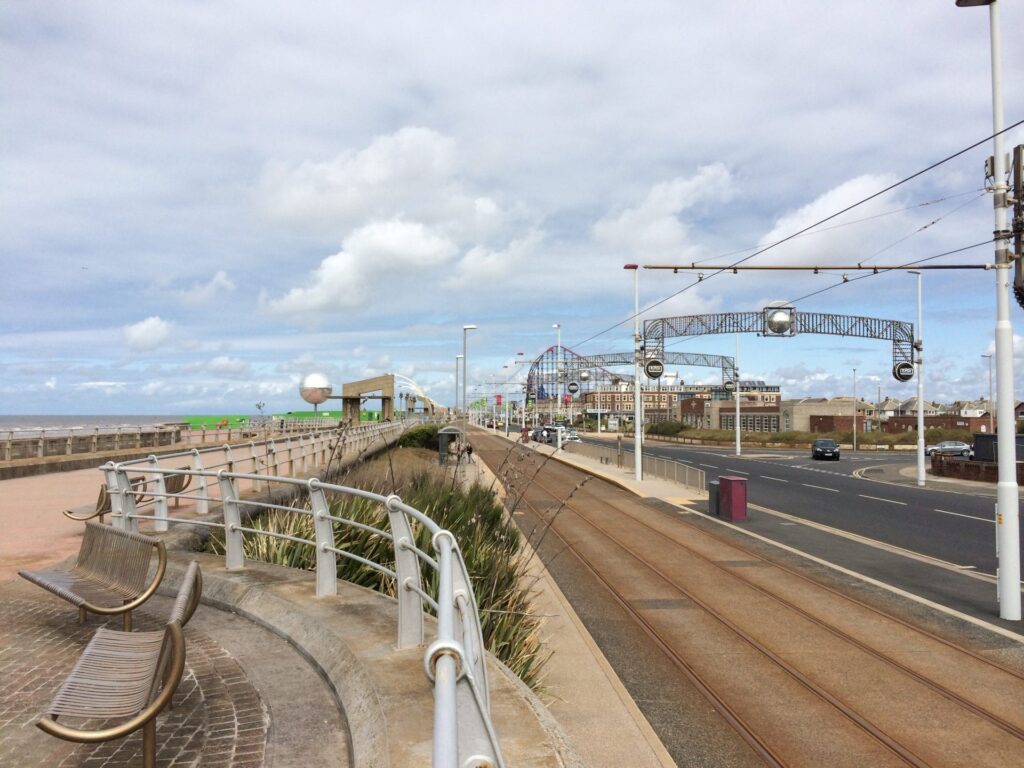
x,y
109,577
129,675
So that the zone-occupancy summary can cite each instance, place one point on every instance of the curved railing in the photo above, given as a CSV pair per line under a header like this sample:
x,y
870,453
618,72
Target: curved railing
x,y
454,660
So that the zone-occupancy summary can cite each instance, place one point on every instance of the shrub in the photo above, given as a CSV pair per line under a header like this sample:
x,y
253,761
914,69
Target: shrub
x,y
422,436
668,428
489,542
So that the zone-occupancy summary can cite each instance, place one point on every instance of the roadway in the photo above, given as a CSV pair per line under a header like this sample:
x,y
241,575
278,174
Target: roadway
x,y
955,525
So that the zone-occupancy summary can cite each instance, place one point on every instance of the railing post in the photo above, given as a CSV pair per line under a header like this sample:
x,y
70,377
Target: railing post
x,y
229,463
160,495
410,610
122,501
291,456
326,560
67,445
202,503
272,451
234,555
302,453
40,448
255,464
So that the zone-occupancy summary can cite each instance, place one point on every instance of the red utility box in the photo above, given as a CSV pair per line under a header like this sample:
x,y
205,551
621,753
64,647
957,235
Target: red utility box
x,y
732,497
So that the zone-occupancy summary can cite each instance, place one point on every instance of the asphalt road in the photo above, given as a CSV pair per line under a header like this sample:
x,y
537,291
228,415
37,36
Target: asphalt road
x,y
954,526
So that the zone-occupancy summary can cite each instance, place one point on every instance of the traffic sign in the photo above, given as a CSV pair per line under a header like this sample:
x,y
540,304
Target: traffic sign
x,y
654,368
903,371
573,387
729,385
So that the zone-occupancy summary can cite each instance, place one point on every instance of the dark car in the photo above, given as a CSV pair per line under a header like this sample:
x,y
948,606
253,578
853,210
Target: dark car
x,y
825,449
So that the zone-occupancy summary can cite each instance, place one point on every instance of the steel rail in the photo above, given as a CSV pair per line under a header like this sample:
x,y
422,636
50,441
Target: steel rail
x,y
859,720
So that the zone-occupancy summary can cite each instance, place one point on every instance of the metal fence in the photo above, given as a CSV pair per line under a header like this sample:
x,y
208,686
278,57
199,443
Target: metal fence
x,y
653,466
454,660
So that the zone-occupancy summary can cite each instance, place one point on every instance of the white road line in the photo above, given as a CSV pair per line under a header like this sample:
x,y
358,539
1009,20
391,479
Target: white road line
x,y
820,487
737,471
876,498
776,479
969,517
708,465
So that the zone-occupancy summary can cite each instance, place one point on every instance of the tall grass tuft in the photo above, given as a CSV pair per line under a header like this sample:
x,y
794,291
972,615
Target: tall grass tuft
x,y
489,542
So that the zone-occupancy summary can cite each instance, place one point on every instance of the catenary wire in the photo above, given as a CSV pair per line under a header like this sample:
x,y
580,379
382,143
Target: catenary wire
x,y
850,207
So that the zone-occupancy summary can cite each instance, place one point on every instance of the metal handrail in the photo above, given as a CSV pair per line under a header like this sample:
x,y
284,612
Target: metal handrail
x,y
454,661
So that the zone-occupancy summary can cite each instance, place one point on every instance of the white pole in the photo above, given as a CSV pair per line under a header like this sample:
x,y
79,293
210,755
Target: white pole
x,y
736,394
457,358
638,412
1007,496
920,384
1007,512
854,409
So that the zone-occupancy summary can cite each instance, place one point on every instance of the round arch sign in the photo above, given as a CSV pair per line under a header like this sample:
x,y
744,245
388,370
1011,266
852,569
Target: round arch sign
x,y
903,371
654,368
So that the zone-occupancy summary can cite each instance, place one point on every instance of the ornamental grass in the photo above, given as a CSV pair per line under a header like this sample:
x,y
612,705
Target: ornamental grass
x,y
490,544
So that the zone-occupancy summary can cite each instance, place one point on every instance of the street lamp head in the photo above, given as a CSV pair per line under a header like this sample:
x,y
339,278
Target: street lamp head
x,y
972,3
631,266
458,357
469,327
556,325
913,271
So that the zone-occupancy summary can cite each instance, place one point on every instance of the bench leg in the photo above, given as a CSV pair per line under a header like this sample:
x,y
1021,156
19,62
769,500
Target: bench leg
x,y
127,621
82,615
149,744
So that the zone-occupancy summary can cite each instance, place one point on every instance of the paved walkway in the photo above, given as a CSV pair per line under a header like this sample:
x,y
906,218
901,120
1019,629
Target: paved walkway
x,y
234,708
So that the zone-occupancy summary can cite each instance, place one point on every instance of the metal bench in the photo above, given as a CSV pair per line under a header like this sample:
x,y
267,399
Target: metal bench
x,y
129,675
103,500
109,577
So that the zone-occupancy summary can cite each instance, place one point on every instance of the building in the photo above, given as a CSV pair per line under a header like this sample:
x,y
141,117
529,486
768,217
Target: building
x,y
806,414
662,403
756,415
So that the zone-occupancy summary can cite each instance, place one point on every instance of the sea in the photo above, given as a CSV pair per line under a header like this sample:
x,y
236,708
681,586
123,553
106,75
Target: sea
x,y
57,425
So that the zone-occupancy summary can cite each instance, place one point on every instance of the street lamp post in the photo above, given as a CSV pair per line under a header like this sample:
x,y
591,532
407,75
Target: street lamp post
x,y
736,396
919,362
855,410
465,375
1007,496
558,369
457,358
638,412
991,427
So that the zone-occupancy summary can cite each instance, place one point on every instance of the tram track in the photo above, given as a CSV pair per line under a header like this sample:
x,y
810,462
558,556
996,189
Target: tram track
x,y
596,507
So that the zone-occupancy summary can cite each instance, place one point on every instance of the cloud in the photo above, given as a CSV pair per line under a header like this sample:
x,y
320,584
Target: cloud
x,y
50,383
229,366
204,293
380,253
104,387
655,228
482,266
147,334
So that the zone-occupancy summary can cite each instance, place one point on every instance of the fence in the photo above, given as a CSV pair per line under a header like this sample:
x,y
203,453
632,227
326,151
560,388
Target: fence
x,y
454,660
41,443
653,466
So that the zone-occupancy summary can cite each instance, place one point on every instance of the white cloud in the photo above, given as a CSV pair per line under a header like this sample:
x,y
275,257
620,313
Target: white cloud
x,y
228,366
50,383
147,334
385,253
104,387
654,228
214,289
482,266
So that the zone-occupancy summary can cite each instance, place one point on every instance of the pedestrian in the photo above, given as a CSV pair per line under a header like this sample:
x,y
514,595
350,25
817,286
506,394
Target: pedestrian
x,y
469,453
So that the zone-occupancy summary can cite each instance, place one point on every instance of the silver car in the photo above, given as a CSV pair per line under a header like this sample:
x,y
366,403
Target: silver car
x,y
949,448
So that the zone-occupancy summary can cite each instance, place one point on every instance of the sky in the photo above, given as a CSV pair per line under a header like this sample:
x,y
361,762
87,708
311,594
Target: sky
x,y
201,202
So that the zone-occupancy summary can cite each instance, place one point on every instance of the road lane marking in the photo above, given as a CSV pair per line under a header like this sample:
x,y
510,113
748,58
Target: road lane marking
x,y
737,471
820,487
888,501
708,465
776,479
969,517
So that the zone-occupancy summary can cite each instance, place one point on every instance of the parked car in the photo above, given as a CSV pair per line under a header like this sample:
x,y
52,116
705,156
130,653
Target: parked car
x,y
948,448
824,448
571,434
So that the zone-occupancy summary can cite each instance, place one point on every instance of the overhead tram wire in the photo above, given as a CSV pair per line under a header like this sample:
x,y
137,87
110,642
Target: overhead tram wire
x,y
808,228
849,223
908,265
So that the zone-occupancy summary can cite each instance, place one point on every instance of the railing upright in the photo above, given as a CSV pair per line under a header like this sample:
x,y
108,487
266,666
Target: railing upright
x,y
407,566
443,659
255,464
202,502
159,497
326,560
234,555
